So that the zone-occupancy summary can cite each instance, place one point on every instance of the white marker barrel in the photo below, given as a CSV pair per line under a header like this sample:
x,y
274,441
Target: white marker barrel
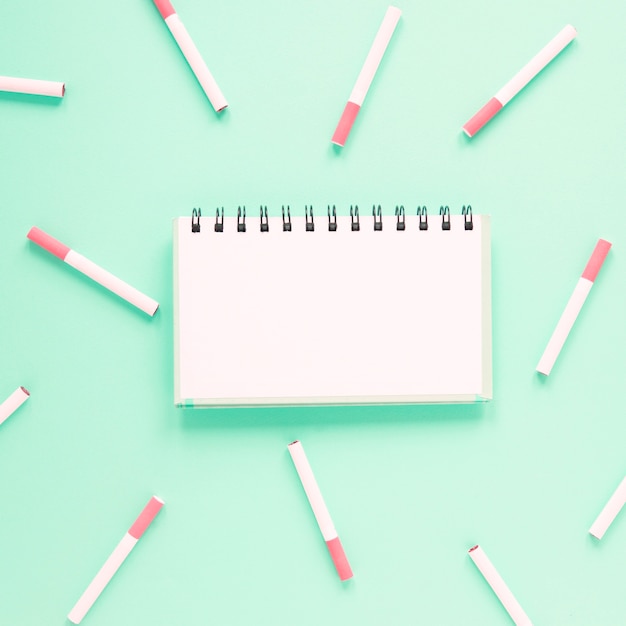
x,y
192,54
500,588
101,579
564,326
536,64
32,86
13,402
609,512
320,510
375,55
111,282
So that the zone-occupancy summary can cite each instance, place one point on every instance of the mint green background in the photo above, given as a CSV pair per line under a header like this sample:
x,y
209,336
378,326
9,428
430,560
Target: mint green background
x,y
135,143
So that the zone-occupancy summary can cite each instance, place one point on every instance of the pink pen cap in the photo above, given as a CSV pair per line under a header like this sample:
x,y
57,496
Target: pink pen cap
x,y
344,126
482,117
596,260
165,8
145,518
47,242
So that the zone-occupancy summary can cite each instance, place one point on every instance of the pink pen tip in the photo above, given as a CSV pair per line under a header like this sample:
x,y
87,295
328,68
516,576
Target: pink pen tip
x,y
482,117
165,8
597,259
473,548
345,123
52,245
145,517
339,559
25,391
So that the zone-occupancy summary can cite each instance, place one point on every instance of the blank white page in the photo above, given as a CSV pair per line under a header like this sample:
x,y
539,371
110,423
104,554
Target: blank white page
x,y
344,317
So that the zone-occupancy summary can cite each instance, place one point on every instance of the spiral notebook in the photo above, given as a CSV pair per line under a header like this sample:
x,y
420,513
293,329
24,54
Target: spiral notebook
x,y
332,310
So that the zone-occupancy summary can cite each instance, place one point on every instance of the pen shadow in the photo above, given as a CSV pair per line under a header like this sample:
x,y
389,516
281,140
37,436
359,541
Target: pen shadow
x,y
336,149
32,99
329,416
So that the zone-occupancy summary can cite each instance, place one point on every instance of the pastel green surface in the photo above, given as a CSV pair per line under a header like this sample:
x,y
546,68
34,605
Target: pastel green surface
x,y
135,143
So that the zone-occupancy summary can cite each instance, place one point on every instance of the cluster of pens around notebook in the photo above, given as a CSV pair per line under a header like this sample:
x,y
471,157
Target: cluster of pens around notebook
x,y
401,220
330,536
303,468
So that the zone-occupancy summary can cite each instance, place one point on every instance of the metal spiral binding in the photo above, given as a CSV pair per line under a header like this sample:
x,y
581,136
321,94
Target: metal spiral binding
x,y
265,227
332,223
401,218
444,211
422,213
286,223
378,218
355,223
195,220
241,223
219,224
469,220
354,217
